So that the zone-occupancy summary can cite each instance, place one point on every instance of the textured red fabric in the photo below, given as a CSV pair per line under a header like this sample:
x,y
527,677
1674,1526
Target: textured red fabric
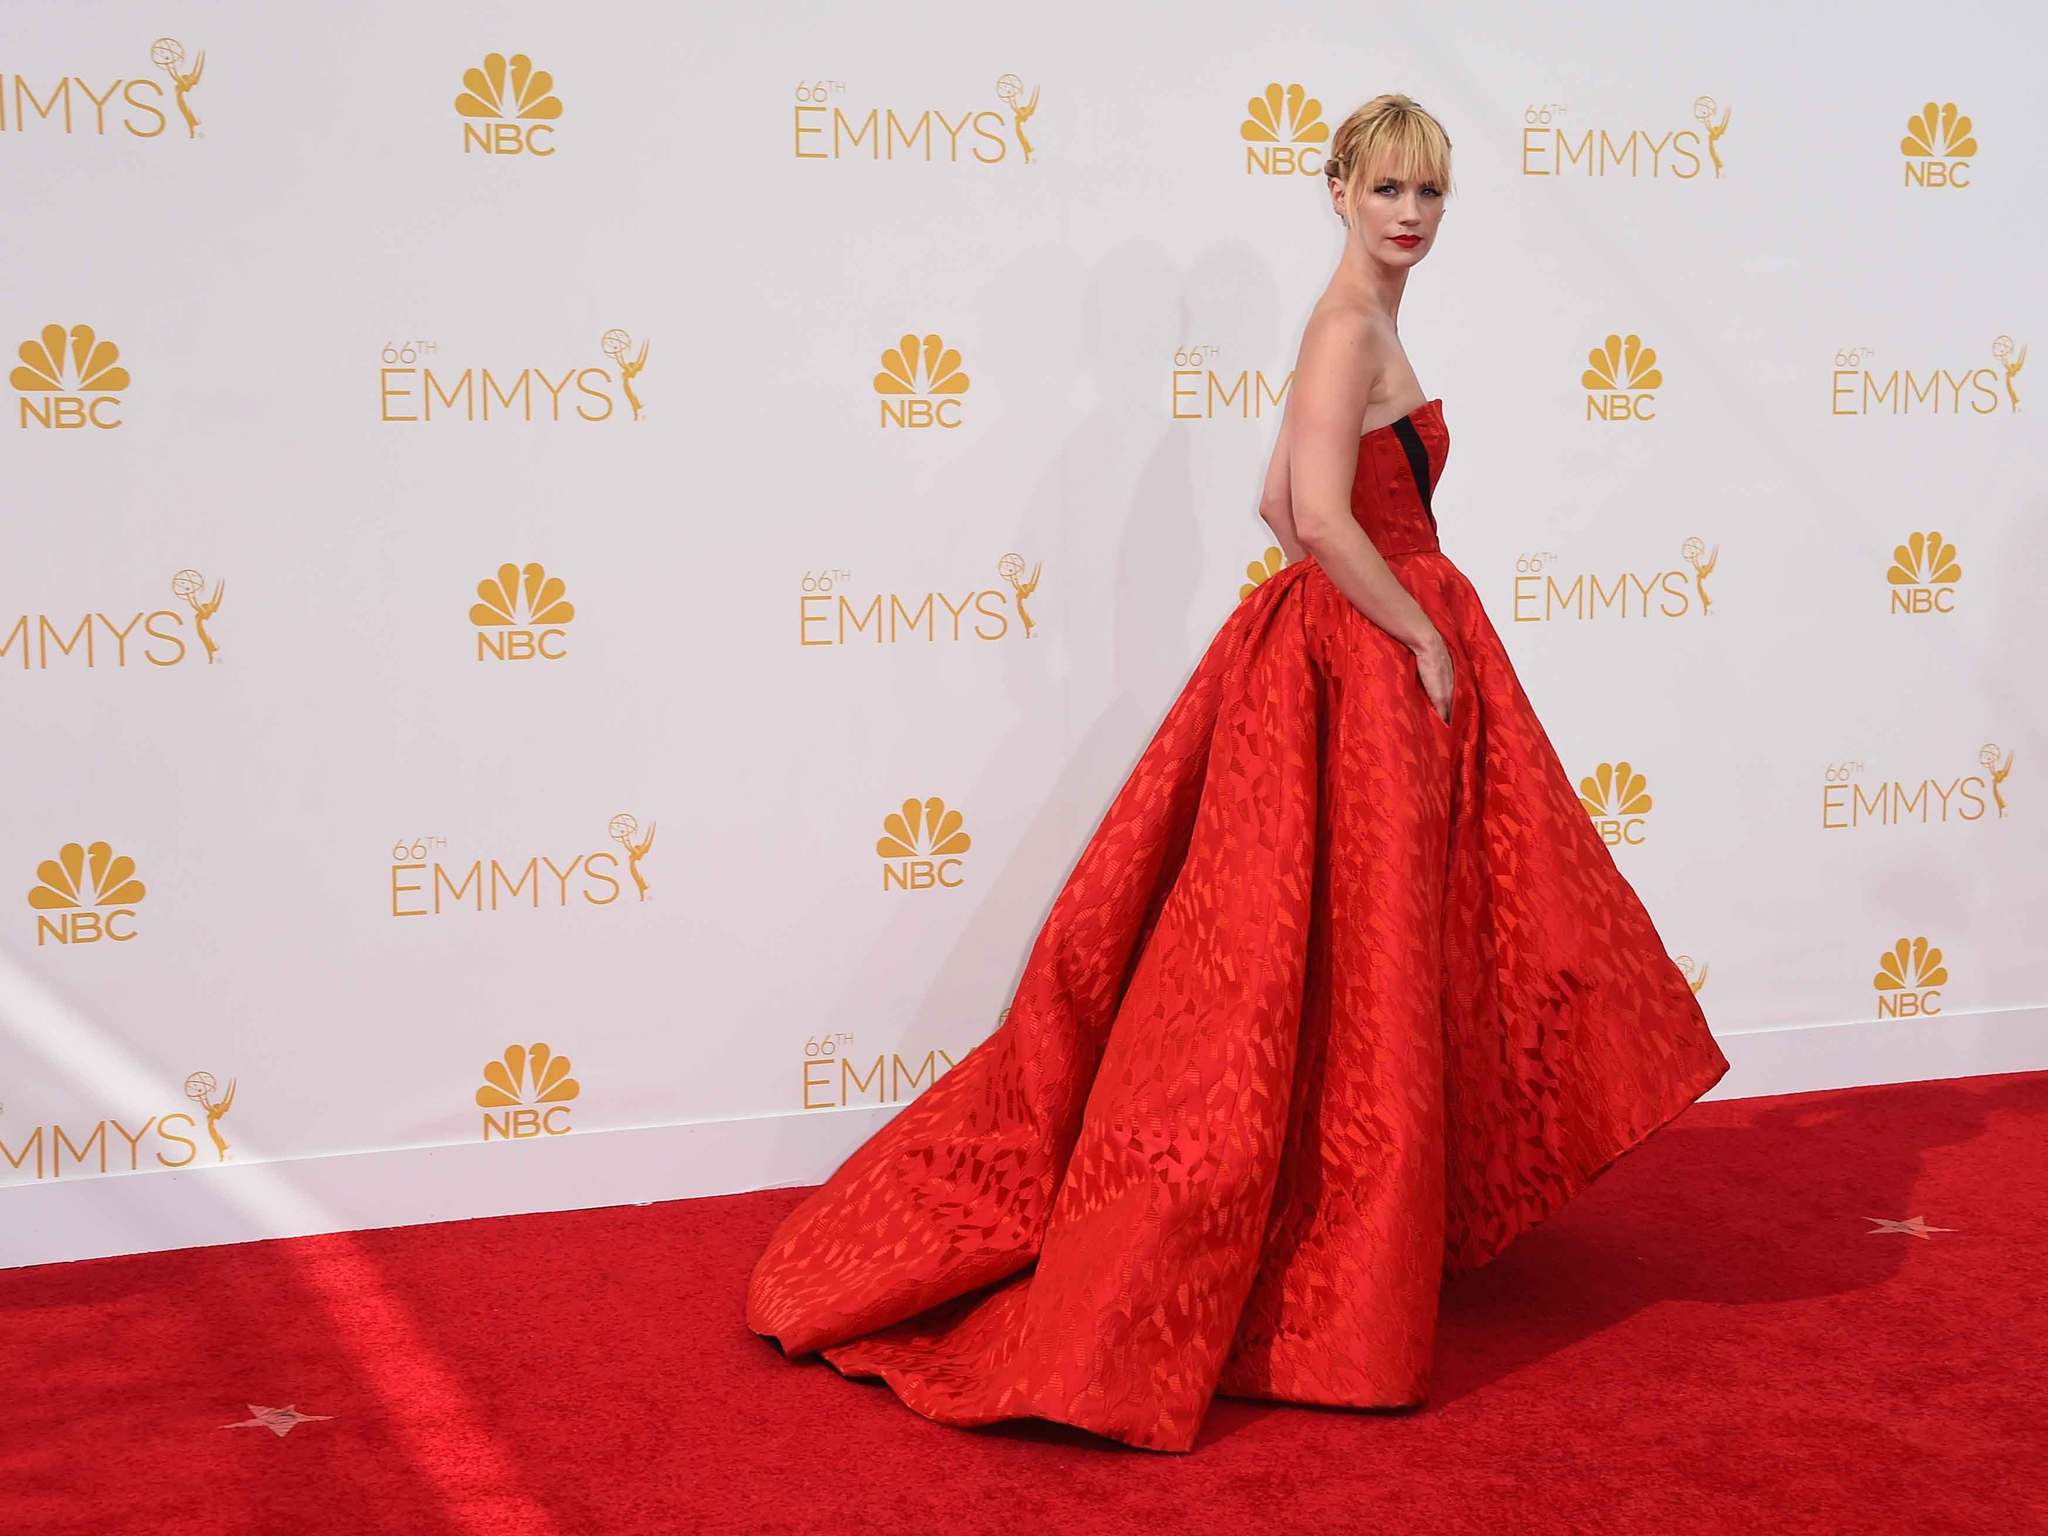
x,y
1337,999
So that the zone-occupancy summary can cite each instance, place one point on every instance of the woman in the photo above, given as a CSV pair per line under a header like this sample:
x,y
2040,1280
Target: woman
x,y
1343,993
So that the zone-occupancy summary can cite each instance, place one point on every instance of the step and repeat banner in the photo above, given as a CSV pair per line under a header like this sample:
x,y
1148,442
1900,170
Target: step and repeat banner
x,y
590,570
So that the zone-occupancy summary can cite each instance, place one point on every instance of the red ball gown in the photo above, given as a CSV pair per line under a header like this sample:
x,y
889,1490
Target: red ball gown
x,y
1338,999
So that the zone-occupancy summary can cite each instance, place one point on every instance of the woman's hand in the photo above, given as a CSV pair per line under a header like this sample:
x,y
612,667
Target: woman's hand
x,y
1433,666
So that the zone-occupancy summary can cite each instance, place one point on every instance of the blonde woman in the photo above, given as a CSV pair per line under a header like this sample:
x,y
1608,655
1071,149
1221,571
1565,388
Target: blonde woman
x,y
1343,993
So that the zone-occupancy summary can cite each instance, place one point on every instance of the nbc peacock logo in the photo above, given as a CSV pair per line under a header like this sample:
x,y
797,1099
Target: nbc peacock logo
x,y
508,107
1262,570
1909,979
527,1093
1284,132
920,846
1618,799
87,894
921,383
1937,147
521,614
1923,574
1621,379
70,378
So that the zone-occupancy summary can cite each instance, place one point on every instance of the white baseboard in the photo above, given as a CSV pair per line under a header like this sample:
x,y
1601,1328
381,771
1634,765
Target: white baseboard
x,y
54,1221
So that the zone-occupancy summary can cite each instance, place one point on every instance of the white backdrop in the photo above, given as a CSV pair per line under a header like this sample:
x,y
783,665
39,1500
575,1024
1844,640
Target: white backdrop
x,y
753,654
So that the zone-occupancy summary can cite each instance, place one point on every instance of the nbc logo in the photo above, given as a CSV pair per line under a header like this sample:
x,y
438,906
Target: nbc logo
x,y
1908,980
521,614
87,891
1937,146
1619,378
93,368
1923,574
1617,798
506,106
527,1093
1284,133
920,383
1261,571
921,845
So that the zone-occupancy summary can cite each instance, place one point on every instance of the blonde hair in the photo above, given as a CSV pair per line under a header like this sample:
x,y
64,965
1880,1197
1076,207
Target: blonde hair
x,y
1389,136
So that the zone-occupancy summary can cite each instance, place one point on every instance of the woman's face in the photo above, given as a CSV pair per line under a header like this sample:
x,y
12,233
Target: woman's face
x,y
1395,219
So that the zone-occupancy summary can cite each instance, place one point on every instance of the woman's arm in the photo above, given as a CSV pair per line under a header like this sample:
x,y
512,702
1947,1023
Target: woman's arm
x,y
1276,501
1332,382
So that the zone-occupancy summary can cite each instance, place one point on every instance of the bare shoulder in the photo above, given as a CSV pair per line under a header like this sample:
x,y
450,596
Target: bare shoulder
x,y
1343,352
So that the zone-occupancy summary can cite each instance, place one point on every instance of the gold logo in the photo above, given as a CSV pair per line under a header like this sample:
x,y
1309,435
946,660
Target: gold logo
x,y
188,584
921,846
521,614
1938,146
920,381
1909,977
501,97
625,831
136,103
1543,593
1857,390
168,55
76,885
1694,972
530,1089
1617,798
1284,133
536,882
1987,758
204,1090
883,134
411,390
888,1079
94,370
1923,574
47,1153
615,344
829,613
1009,91
1848,802
1261,571
1551,150
1200,391
1619,376
2002,349
40,636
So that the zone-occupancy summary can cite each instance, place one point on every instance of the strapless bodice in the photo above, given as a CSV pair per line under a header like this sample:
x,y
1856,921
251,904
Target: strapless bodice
x,y
1398,467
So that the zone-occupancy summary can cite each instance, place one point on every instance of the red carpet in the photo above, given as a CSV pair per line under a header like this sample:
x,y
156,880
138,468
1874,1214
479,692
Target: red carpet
x,y
1712,1338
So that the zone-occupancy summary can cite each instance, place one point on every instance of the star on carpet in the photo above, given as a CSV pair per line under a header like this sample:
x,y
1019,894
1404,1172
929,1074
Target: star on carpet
x,y
1916,1225
279,1421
